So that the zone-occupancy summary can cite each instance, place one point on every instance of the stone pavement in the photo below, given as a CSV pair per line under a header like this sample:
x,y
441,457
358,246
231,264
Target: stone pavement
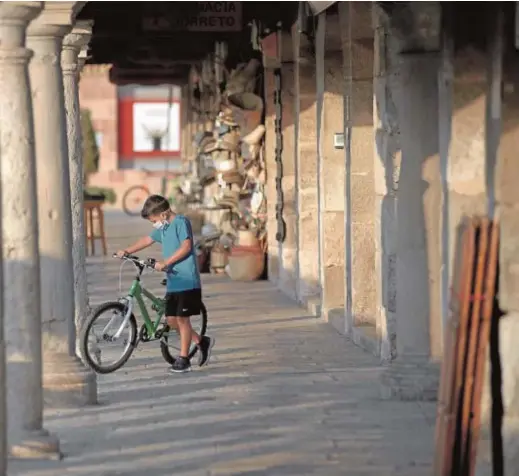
x,y
284,394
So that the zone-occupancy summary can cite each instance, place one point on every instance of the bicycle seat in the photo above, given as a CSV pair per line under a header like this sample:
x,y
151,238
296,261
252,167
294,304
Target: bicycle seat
x,y
164,282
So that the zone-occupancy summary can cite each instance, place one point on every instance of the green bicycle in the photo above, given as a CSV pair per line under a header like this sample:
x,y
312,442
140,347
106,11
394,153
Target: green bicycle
x,y
118,325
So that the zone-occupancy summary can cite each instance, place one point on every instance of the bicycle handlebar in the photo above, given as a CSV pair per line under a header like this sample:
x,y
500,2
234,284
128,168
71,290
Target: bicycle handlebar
x,y
147,263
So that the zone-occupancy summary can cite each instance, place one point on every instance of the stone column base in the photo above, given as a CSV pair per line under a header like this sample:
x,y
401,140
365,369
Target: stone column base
x,y
38,444
411,378
67,382
312,303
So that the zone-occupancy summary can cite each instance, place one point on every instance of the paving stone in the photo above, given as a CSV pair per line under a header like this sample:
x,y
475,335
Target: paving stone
x,y
283,395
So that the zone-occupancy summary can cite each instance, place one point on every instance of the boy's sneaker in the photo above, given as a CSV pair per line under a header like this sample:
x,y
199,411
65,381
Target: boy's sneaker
x,y
180,366
204,350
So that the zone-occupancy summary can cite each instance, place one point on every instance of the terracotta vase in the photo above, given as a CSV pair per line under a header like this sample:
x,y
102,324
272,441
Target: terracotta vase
x,y
245,263
247,239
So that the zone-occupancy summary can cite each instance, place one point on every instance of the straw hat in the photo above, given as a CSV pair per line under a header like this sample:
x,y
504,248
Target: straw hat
x,y
254,137
200,137
243,78
229,199
226,117
227,142
208,178
225,165
233,177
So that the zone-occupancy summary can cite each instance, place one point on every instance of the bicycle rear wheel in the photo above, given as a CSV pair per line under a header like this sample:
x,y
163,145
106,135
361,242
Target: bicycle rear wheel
x,y
134,198
170,340
107,319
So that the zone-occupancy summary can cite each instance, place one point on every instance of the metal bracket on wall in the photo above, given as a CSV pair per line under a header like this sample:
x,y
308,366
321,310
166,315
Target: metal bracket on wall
x,y
281,226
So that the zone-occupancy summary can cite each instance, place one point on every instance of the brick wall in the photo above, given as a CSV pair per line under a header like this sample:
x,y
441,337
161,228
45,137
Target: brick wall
x,y
99,95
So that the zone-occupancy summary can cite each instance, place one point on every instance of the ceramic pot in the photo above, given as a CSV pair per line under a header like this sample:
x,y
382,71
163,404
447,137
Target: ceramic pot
x,y
246,263
247,238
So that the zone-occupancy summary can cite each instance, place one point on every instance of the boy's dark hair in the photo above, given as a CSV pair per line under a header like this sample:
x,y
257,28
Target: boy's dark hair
x,y
154,205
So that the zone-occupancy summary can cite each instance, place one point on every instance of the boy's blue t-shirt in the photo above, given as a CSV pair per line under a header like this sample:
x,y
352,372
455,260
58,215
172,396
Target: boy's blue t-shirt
x,y
184,274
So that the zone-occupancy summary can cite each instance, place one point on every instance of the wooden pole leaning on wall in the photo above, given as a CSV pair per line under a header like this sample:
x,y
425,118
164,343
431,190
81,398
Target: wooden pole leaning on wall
x,y
472,306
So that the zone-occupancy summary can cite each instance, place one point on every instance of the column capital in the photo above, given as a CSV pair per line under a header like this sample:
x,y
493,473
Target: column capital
x,y
73,44
79,36
14,18
82,58
18,13
55,20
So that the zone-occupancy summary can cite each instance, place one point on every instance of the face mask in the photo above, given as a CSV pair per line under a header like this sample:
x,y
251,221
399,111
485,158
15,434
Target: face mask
x,y
158,225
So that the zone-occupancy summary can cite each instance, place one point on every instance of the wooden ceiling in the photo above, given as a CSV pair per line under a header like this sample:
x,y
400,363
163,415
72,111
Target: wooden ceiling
x,y
162,39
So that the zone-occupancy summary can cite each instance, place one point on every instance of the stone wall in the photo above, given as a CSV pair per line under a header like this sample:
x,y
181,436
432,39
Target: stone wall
x,y
375,222
357,39
330,101
502,177
305,120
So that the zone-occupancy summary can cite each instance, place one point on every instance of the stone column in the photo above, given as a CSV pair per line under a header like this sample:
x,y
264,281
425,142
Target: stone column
x,y
65,379
305,123
330,120
73,43
357,48
412,375
283,254
387,159
21,283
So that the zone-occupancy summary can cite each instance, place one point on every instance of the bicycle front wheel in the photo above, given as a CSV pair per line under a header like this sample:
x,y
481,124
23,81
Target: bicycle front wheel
x,y
170,340
134,198
99,346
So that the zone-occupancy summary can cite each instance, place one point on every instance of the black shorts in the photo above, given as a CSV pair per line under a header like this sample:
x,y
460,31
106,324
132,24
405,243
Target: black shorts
x,y
184,303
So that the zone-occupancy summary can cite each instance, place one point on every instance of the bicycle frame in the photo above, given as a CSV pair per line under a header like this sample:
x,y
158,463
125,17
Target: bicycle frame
x,y
137,293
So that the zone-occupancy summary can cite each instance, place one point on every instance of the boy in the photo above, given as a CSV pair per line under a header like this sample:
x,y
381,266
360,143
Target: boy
x,y
184,288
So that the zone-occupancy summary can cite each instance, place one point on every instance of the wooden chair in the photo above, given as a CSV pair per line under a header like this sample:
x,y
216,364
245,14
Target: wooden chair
x,y
94,218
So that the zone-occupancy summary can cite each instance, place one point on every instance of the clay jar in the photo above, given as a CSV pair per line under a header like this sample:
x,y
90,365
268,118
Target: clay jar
x,y
246,261
246,239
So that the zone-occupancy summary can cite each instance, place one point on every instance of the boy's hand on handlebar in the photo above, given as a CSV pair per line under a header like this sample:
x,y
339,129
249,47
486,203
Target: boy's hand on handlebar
x,y
121,254
160,266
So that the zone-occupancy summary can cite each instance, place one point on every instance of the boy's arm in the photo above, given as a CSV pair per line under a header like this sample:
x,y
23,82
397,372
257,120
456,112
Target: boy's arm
x,y
137,246
185,236
183,250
